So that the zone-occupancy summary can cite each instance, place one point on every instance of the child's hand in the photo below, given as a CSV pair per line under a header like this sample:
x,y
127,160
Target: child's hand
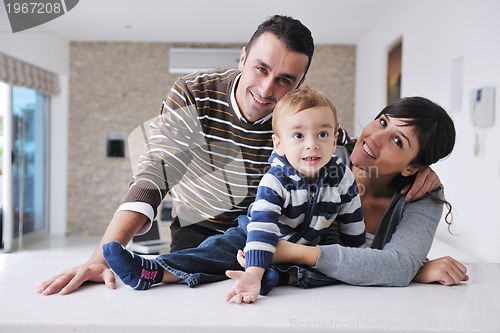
x,y
246,287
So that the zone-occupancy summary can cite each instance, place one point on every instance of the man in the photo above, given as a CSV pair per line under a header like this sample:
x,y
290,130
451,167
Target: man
x,y
209,147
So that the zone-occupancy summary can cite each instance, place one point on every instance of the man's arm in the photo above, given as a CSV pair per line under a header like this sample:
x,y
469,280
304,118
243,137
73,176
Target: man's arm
x,y
123,226
425,182
149,186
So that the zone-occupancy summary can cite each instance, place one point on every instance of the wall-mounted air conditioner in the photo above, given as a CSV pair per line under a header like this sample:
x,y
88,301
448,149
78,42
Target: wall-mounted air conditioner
x,y
188,60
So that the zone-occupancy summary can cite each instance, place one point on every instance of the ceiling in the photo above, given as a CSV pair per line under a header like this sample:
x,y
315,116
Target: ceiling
x,y
224,21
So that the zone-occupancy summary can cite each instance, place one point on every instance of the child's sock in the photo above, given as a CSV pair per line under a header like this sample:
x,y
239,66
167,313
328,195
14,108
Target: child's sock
x,y
272,278
269,281
135,271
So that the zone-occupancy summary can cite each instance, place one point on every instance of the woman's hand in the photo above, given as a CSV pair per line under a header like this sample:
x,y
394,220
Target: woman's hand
x,y
445,270
240,257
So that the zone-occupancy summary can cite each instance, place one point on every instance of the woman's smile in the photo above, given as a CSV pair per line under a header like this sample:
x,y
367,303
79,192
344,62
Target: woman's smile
x,y
368,151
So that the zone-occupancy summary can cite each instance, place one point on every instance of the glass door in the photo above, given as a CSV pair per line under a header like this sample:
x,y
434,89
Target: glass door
x,y
25,177
6,224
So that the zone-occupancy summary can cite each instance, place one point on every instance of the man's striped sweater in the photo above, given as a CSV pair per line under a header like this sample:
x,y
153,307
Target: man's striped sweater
x,y
204,152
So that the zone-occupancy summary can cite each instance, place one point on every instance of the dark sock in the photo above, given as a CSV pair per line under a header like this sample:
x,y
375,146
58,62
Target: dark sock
x,y
135,271
272,278
269,280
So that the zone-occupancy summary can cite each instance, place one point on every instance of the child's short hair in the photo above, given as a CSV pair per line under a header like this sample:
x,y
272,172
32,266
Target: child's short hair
x,y
298,100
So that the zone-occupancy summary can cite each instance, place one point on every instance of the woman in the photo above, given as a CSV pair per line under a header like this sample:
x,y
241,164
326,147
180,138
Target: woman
x,y
405,137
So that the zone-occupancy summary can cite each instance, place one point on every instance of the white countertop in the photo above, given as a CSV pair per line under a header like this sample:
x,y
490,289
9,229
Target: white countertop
x,y
473,306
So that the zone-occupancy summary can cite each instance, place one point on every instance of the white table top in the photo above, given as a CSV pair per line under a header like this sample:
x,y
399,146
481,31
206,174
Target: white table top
x,y
469,307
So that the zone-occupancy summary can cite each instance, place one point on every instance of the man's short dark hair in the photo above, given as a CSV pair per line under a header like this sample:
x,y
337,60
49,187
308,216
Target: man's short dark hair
x,y
296,36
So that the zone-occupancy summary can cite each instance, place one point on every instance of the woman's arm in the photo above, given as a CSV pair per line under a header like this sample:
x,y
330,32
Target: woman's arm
x,y
291,253
396,263
446,270
399,259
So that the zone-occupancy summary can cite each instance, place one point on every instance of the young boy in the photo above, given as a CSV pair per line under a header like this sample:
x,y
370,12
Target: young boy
x,y
306,189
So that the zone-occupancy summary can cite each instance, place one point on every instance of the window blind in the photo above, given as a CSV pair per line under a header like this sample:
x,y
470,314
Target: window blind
x,y
16,72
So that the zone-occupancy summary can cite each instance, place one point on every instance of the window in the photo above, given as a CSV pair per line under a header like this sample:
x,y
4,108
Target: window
x,y
24,109
24,171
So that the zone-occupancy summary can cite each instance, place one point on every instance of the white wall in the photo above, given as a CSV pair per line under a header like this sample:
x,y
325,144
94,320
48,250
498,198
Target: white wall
x,y
435,33
50,52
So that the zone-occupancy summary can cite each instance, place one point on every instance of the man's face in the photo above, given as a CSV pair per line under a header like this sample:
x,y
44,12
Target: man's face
x,y
269,71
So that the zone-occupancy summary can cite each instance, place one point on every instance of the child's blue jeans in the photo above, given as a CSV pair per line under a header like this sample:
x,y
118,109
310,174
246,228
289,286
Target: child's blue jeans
x,y
209,261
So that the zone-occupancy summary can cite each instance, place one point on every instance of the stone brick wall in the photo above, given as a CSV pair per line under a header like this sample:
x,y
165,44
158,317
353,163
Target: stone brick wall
x,y
116,86
333,72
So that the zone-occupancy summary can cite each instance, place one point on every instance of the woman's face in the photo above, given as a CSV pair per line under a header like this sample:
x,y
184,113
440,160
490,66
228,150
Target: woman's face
x,y
386,147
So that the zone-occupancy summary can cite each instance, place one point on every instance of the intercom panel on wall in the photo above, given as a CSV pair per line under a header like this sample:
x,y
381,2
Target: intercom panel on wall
x,y
482,108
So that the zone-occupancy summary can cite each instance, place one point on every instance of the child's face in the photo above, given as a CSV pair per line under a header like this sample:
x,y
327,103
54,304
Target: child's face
x,y
307,138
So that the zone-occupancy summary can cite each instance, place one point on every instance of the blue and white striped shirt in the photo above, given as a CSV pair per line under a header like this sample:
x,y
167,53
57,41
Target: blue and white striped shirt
x,y
289,206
